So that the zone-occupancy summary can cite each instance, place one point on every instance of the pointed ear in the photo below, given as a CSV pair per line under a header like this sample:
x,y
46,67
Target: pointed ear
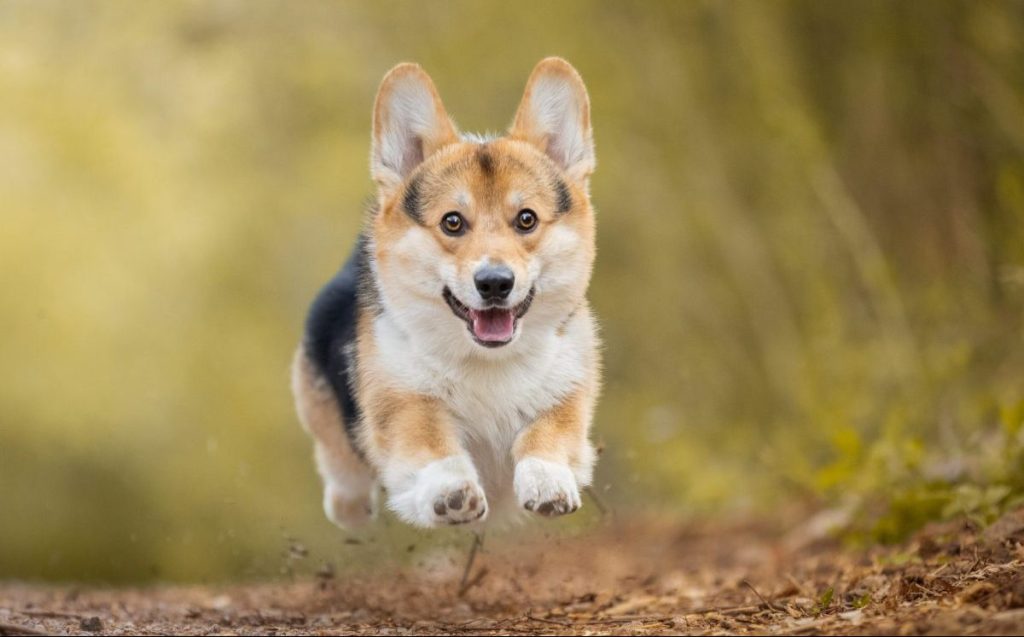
x,y
409,125
554,116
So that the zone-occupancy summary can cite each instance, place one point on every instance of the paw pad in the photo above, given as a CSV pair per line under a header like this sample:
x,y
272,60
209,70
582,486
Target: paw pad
x,y
461,505
546,488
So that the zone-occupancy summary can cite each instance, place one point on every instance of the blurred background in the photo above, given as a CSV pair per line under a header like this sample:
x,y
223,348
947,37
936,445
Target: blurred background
x,y
810,273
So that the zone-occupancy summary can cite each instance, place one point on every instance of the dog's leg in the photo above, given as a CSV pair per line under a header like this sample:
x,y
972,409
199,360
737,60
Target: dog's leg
x,y
349,483
430,478
554,458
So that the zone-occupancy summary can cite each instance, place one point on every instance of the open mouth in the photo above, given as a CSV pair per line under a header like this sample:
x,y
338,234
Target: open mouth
x,y
493,326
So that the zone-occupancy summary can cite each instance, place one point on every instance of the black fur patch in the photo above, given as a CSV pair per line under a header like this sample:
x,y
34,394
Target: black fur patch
x,y
563,196
411,200
330,336
486,160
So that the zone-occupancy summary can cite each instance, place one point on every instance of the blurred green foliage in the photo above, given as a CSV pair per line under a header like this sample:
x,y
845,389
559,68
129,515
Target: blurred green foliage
x,y
810,273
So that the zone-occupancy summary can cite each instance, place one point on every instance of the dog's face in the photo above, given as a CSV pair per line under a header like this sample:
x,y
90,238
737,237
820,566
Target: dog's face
x,y
481,243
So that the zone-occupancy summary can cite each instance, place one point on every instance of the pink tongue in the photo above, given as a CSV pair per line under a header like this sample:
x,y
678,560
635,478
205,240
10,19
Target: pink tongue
x,y
492,326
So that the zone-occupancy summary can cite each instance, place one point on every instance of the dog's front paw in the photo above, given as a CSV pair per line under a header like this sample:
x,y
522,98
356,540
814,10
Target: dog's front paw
x,y
445,492
546,487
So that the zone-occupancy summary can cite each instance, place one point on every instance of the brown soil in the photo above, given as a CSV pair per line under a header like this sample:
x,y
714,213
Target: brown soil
x,y
621,579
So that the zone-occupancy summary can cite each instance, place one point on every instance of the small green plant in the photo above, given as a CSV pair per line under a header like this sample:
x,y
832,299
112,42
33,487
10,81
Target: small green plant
x,y
862,601
824,601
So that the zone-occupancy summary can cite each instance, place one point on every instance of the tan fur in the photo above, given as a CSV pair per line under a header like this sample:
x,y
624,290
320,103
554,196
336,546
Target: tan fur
x,y
558,434
406,425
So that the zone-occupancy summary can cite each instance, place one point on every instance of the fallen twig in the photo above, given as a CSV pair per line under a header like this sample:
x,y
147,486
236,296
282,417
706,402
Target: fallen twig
x,y
626,619
728,610
473,582
760,596
548,621
464,583
50,614
18,629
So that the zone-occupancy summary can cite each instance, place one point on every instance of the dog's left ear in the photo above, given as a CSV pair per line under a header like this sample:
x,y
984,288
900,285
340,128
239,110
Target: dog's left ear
x,y
554,116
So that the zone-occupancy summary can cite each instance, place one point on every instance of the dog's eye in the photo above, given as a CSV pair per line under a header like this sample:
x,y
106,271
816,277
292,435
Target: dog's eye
x,y
526,220
453,224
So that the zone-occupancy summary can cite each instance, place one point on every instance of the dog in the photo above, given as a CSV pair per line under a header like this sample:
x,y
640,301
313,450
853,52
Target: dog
x,y
454,359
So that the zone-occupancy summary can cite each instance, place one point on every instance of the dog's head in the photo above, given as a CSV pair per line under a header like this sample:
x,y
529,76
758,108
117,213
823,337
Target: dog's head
x,y
478,242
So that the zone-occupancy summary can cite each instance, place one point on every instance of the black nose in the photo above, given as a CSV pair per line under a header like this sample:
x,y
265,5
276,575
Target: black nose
x,y
494,282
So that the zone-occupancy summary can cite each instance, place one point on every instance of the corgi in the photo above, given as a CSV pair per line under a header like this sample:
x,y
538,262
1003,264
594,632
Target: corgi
x,y
454,359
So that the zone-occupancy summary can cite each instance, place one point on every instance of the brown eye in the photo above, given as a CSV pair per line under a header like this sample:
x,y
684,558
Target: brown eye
x,y
453,224
526,220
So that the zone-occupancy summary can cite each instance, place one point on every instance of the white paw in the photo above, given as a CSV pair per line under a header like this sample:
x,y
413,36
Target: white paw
x,y
445,492
346,509
545,487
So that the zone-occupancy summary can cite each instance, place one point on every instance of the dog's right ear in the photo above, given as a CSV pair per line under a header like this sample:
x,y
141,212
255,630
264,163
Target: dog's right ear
x,y
409,125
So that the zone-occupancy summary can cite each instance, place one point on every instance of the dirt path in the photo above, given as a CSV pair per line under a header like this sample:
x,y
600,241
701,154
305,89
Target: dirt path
x,y
618,580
